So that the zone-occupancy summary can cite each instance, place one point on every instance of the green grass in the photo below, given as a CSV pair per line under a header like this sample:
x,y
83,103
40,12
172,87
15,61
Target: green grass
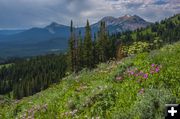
x,y
5,65
100,94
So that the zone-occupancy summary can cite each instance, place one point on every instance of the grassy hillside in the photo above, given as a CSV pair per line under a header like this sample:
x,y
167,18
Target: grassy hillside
x,y
136,87
5,65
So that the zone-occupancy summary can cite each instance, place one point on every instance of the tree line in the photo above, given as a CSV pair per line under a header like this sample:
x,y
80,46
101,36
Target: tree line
x,y
87,52
91,50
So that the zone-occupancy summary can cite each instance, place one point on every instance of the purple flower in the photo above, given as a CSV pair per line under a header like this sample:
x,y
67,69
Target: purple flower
x,y
157,69
132,72
145,76
152,65
141,73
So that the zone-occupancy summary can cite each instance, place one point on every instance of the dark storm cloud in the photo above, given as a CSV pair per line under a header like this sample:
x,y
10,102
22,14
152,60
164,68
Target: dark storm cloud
x,y
30,13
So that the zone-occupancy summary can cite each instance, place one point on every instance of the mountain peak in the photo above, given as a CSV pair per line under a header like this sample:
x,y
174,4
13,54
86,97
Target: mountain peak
x,y
123,23
131,18
53,27
53,24
127,16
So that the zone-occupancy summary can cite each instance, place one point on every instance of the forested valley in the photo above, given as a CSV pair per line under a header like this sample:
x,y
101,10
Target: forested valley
x,y
28,76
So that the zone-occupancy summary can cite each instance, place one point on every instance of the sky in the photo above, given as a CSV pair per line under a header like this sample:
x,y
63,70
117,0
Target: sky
x,y
20,14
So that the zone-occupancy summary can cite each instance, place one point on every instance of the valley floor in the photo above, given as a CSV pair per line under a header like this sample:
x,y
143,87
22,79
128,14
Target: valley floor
x,y
137,87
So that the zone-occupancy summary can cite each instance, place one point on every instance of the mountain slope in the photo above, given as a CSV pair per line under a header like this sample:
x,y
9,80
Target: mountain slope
x,y
27,43
10,32
35,41
108,91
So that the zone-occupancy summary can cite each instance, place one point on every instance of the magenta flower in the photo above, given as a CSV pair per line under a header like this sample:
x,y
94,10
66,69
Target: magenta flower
x,y
132,72
157,69
141,73
145,76
152,65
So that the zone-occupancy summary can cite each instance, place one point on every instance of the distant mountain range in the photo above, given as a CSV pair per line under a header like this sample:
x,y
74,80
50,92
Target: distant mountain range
x,y
54,37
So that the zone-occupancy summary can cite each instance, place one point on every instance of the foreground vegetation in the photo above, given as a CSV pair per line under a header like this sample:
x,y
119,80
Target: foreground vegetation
x,y
136,87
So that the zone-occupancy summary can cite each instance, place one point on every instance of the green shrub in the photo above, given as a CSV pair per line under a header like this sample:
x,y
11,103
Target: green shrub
x,y
151,104
136,47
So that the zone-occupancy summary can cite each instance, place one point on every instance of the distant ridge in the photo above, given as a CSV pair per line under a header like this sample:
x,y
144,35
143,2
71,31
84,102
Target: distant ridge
x,y
123,23
36,41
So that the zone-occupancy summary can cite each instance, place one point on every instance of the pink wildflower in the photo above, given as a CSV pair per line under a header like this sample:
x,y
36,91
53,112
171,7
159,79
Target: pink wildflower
x,y
141,72
152,65
157,69
132,72
145,76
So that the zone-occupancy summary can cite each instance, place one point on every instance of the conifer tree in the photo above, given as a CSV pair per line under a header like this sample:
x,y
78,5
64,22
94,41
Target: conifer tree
x,y
71,50
80,52
95,50
103,43
88,54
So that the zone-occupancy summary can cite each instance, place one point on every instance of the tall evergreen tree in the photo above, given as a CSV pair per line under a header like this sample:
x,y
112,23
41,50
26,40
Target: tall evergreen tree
x,y
95,50
80,60
71,50
103,43
88,48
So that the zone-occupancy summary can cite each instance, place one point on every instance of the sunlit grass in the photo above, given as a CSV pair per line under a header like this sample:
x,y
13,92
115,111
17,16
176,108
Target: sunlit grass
x,y
109,91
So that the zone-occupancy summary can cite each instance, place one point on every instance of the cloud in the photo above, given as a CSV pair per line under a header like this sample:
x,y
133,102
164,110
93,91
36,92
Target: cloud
x,y
30,13
160,2
134,5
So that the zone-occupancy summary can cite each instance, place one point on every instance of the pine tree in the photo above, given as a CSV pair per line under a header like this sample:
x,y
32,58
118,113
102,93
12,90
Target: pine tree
x,y
71,51
103,43
88,54
112,48
95,50
80,59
